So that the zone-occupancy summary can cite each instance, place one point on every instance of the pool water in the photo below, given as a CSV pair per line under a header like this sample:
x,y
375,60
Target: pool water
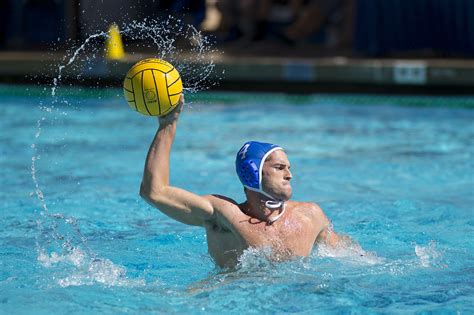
x,y
397,179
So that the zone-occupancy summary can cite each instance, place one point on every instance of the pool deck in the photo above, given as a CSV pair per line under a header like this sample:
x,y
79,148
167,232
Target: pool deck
x,y
299,74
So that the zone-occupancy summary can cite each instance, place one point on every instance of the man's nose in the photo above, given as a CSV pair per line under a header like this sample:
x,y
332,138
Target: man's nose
x,y
288,175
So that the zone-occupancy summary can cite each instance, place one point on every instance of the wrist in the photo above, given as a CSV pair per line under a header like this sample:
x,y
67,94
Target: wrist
x,y
165,123
168,127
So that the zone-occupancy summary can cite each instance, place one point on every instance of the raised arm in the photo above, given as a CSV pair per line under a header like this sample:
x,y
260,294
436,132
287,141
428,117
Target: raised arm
x,y
177,203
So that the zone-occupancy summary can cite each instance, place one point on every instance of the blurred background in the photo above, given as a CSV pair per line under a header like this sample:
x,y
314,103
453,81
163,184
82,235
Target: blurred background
x,y
364,42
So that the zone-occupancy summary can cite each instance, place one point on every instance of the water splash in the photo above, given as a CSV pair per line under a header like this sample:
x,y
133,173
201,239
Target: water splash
x,y
71,60
191,52
60,241
349,251
256,258
429,256
87,271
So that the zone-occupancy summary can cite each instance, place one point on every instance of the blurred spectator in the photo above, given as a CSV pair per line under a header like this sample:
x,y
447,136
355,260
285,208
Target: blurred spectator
x,y
337,14
279,12
97,15
193,11
229,24
250,19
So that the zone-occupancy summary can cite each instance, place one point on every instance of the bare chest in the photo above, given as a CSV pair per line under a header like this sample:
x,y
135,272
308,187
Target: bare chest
x,y
292,236
233,232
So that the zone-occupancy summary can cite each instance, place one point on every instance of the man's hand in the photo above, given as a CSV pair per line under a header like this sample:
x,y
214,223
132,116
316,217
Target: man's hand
x,y
173,115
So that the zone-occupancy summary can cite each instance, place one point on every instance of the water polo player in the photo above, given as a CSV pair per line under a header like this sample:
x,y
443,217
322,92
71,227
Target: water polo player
x,y
267,219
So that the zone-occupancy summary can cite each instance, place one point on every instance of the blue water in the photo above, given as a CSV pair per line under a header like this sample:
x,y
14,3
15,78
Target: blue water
x,y
398,180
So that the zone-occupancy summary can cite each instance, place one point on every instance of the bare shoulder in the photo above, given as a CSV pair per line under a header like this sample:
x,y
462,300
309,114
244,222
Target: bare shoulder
x,y
310,209
222,205
219,201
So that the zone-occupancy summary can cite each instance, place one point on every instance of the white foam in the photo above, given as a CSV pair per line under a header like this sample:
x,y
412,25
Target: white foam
x,y
349,251
101,271
428,255
255,258
87,270
76,257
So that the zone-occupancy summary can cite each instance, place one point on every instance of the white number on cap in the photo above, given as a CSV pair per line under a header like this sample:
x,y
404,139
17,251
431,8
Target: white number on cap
x,y
243,151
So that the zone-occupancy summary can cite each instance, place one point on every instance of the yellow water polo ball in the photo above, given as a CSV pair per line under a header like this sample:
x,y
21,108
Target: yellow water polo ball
x,y
152,87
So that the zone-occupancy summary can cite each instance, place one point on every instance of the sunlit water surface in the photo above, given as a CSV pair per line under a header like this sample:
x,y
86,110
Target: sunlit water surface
x,y
398,180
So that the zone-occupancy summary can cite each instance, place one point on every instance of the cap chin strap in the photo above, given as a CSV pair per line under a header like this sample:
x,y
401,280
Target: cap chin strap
x,y
272,204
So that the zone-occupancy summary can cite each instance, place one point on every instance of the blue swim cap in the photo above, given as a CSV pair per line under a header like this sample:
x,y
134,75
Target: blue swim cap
x,y
249,164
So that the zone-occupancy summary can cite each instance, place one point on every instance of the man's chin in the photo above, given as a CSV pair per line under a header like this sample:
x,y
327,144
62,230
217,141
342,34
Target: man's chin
x,y
285,196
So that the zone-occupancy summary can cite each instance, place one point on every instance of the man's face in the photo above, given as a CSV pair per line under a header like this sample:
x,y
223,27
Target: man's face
x,y
276,176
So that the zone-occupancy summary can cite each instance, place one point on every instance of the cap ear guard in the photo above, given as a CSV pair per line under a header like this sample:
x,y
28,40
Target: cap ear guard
x,y
248,173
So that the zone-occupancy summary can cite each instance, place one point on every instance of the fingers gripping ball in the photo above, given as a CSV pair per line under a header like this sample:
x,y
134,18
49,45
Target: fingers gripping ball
x,y
152,87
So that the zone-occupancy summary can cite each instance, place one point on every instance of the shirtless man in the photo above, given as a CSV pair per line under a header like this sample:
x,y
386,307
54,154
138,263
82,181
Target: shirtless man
x,y
267,219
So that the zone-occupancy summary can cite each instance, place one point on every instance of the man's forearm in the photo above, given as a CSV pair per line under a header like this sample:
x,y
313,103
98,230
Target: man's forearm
x,y
177,203
156,173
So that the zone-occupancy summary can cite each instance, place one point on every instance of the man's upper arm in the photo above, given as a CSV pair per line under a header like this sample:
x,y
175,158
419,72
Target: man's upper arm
x,y
181,205
326,234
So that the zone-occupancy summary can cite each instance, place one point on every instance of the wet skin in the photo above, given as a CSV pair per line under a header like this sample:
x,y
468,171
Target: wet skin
x,y
235,228
231,227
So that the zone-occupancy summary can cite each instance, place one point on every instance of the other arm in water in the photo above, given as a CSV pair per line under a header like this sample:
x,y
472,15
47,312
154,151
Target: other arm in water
x,y
327,235
176,203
